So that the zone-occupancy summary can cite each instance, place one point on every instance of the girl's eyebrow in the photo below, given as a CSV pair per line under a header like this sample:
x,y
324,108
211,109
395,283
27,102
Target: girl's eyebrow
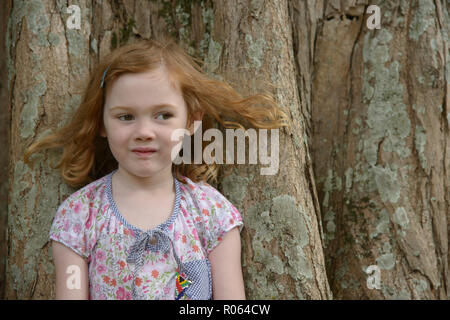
x,y
157,106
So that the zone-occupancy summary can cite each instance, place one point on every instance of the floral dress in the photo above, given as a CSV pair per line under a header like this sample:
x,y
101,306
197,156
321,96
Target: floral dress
x,y
169,261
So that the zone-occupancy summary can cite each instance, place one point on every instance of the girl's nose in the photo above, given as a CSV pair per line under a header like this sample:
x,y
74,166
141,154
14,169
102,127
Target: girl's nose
x,y
145,130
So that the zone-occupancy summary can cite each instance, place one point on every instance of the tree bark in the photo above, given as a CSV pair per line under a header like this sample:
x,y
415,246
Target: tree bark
x,y
381,148
46,60
282,250
4,142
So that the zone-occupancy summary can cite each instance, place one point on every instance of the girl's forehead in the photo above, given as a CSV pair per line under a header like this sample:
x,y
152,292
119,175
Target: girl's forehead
x,y
159,76
139,88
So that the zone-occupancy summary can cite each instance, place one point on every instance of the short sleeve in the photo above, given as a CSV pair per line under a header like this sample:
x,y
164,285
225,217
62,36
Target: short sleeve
x,y
219,216
73,224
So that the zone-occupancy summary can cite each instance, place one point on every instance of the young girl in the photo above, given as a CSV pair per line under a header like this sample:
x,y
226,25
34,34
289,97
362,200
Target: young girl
x,y
148,229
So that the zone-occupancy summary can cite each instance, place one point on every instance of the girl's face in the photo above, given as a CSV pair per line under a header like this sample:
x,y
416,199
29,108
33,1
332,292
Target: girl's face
x,y
141,111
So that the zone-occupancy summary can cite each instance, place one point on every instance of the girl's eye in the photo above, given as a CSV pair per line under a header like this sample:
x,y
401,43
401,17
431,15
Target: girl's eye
x,y
168,115
124,115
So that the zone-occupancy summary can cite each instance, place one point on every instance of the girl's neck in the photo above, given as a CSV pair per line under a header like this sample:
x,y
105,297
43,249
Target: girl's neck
x,y
162,182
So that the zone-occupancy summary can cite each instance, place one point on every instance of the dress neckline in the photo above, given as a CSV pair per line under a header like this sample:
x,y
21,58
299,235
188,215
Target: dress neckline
x,y
163,226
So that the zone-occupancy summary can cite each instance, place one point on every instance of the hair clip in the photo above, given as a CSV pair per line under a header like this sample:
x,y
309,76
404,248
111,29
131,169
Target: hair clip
x,y
104,75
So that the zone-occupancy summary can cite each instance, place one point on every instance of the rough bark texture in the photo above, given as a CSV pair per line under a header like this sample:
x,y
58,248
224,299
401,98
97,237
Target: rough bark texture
x,y
306,18
282,251
4,142
45,61
381,148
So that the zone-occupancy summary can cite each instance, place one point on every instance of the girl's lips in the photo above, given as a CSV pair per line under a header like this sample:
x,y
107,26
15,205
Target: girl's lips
x,y
144,154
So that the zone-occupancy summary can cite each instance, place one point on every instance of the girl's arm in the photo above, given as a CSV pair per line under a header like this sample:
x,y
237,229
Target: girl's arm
x,y
72,281
226,271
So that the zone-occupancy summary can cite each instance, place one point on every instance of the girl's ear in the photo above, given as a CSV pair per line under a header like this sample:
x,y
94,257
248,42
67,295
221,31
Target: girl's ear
x,y
196,117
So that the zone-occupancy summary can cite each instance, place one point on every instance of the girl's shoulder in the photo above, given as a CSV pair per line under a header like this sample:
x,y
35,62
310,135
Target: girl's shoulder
x,y
202,190
75,221
89,193
207,199
213,214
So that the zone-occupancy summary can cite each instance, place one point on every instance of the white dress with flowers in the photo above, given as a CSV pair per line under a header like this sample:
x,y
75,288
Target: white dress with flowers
x,y
125,262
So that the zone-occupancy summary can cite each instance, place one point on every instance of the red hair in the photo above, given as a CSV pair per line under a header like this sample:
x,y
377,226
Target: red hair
x,y
86,155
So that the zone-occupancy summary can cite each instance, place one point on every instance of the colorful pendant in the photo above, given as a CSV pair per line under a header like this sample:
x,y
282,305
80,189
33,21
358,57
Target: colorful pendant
x,y
182,283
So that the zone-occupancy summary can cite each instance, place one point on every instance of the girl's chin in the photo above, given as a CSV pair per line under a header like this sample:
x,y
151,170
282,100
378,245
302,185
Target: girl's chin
x,y
145,171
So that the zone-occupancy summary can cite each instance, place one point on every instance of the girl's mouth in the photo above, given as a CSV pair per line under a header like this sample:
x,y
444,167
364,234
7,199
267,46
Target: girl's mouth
x,y
144,154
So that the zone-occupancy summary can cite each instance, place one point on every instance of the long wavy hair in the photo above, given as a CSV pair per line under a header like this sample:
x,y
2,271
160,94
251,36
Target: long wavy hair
x,y
86,155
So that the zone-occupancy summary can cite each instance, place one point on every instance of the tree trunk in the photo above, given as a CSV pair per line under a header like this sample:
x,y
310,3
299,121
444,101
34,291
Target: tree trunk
x,y
381,148
46,59
4,142
282,247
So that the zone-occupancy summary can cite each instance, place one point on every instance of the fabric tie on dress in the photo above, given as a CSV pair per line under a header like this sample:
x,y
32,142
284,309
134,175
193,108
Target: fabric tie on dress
x,y
154,240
